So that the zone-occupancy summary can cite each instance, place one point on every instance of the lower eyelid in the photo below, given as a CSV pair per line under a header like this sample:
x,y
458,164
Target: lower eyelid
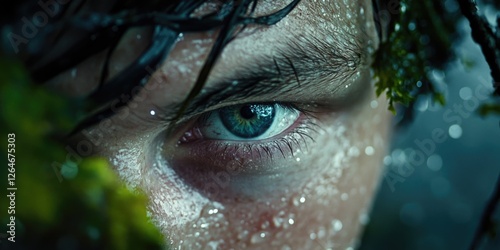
x,y
221,154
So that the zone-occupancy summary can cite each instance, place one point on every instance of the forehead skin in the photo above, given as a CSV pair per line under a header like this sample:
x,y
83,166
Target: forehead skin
x,y
331,22
328,186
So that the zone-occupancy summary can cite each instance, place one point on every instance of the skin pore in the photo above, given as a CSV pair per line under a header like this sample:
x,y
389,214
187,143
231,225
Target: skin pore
x,y
307,186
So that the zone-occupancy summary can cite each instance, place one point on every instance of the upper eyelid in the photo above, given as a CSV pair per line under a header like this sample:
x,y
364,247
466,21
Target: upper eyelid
x,y
296,63
197,110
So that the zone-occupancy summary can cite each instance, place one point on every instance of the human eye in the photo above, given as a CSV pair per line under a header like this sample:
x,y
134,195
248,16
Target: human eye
x,y
252,143
250,133
246,122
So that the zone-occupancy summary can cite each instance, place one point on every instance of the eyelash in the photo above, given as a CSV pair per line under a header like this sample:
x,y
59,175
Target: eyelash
x,y
286,143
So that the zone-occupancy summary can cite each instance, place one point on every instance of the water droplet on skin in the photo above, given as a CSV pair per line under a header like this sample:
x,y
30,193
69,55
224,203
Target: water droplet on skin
x,y
243,235
312,236
337,225
212,245
364,219
344,196
362,11
321,232
369,150
353,151
183,68
351,64
291,221
374,104
297,200
298,159
152,112
277,221
259,237
323,12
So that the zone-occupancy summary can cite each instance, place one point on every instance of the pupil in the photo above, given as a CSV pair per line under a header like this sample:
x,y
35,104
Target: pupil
x,y
246,112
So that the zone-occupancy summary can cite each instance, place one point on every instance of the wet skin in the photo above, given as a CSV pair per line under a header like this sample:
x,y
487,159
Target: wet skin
x,y
308,186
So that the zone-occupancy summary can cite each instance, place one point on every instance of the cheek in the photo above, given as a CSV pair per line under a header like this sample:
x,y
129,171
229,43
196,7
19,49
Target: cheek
x,y
338,198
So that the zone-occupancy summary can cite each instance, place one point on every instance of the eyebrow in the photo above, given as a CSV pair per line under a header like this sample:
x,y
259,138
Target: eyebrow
x,y
300,63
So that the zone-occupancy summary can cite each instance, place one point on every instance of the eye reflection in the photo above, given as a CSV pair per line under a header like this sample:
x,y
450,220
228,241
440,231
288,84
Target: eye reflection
x,y
248,121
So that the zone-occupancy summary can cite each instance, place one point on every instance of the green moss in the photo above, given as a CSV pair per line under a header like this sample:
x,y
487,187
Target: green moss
x,y
92,209
419,43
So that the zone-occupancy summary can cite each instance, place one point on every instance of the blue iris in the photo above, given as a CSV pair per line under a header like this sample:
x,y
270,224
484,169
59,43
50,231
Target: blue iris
x,y
247,121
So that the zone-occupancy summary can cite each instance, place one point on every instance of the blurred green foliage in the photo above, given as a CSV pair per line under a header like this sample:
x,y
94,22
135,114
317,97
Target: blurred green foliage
x,y
489,108
90,210
419,41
